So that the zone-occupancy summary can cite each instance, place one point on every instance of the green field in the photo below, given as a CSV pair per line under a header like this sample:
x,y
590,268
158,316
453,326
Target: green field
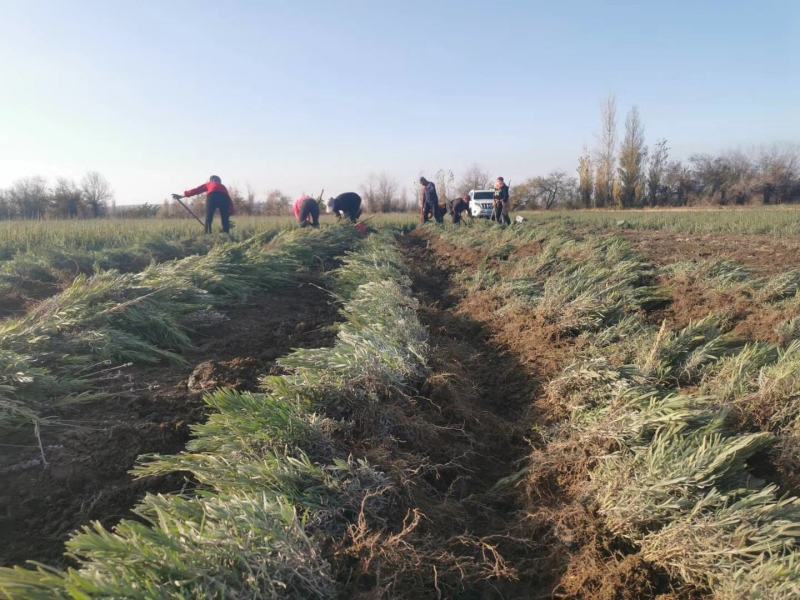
x,y
777,221
475,411
104,234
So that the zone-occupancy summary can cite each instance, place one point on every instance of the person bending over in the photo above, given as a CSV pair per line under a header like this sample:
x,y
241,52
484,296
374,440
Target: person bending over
x,y
217,198
306,211
345,205
460,207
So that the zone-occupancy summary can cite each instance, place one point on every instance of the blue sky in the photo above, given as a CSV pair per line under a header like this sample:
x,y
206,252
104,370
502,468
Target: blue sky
x,y
305,95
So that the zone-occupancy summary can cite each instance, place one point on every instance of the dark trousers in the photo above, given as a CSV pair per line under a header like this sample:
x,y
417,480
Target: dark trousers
x,y
310,208
458,215
353,214
214,202
432,210
501,213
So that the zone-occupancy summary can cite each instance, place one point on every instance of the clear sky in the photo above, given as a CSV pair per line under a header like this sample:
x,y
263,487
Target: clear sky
x,y
301,95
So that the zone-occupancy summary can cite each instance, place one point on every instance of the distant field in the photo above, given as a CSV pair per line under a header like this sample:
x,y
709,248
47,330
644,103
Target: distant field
x,y
102,234
25,236
778,221
40,258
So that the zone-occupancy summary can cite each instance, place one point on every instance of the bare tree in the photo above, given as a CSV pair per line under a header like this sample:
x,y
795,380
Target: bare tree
x,y
96,193
585,179
66,199
557,188
240,206
655,173
474,178
165,210
525,195
679,183
445,184
277,203
29,197
778,174
380,193
250,201
140,211
632,154
404,202
6,210
605,153
725,179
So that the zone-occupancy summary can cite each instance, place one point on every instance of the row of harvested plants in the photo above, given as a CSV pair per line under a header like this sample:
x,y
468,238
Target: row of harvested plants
x,y
60,352
692,432
38,260
271,479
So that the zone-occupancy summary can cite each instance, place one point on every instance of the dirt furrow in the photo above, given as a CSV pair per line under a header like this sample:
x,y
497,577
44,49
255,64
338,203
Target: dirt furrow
x,y
490,394
458,449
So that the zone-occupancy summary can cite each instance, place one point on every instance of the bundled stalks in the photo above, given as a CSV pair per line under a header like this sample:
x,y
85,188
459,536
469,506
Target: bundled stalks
x,y
271,483
47,356
718,274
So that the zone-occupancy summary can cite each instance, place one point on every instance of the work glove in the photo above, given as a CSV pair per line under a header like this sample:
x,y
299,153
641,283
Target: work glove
x,y
176,196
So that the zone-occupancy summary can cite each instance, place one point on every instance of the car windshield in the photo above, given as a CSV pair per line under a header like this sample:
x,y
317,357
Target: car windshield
x,y
483,196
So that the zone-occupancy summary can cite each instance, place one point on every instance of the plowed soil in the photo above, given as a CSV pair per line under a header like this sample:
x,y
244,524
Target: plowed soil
x,y
551,541
468,525
86,476
693,298
762,254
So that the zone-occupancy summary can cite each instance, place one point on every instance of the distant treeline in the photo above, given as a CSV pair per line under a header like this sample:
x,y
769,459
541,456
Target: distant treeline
x,y
33,198
629,174
622,173
92,197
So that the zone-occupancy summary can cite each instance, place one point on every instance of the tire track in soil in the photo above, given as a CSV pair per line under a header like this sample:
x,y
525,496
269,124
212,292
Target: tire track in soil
x,y
87,477
478,398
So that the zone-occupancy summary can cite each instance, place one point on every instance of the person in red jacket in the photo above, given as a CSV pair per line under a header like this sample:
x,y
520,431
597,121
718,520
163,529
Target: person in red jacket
x,y
306,211
217,197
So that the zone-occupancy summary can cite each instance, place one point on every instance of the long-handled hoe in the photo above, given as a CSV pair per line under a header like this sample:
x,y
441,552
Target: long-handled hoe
x,y
177,198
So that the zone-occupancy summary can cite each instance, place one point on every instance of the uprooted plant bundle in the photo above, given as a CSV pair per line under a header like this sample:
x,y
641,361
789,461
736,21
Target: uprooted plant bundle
x,y
271,481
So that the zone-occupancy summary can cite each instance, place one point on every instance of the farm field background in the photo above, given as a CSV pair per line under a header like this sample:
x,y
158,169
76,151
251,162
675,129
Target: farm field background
x,y
772,220
587,404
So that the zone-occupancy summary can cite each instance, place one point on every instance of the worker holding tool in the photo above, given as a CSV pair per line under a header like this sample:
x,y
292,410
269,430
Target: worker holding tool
x,y
217,198
430,202
306,211
501,202
347,204
459,207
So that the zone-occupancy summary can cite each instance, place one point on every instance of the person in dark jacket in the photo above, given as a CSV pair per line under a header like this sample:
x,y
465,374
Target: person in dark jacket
x,y
347,204
217,198
430,201
306,211
501,202
460,207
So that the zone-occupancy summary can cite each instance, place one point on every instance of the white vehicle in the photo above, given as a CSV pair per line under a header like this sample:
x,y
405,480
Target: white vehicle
x,y
481,203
